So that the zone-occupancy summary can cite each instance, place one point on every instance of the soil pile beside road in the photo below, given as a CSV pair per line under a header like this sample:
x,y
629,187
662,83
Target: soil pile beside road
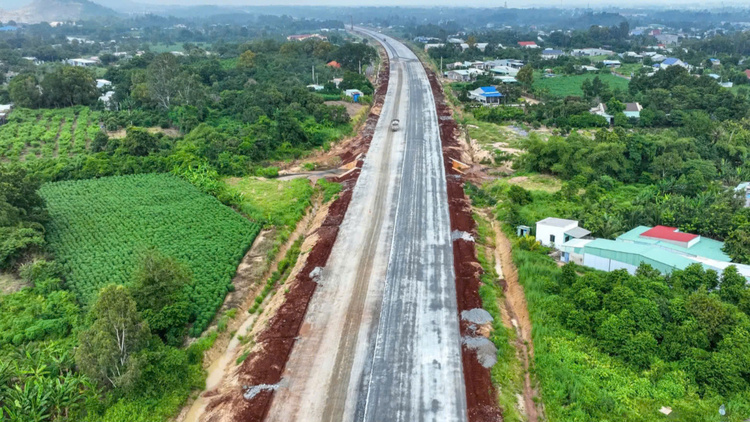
x,y
481,398
265,364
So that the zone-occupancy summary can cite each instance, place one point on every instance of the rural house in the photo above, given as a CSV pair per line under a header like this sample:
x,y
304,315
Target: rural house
x,y
486,95
553,232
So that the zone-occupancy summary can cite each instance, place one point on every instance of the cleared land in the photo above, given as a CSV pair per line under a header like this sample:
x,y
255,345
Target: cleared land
x,y
100,228
570,85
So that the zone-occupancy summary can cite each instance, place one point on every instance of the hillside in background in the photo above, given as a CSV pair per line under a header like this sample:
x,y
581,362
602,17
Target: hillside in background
x,y
55,10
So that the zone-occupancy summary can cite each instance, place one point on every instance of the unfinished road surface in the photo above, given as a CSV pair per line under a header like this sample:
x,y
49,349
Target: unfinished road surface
x,y
381,340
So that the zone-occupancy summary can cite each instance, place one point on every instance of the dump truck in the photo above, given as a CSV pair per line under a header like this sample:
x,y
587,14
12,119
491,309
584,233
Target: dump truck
x,y
395,123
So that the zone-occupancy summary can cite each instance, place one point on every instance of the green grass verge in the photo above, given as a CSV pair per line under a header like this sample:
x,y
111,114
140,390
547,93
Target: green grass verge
x,y
507,373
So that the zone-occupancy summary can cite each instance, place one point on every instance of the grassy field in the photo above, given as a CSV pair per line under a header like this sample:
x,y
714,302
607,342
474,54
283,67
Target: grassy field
x,y
273,202
33,134
570,85
100,228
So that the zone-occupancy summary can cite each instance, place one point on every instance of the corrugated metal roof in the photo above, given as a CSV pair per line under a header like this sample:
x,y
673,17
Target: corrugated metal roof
x,y
706,247
578,232
669,233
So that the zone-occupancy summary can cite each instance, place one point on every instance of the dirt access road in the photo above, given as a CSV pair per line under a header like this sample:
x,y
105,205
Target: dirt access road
x,y
381,340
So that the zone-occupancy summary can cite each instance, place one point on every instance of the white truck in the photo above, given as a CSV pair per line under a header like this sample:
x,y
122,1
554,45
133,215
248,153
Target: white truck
x,y
395,125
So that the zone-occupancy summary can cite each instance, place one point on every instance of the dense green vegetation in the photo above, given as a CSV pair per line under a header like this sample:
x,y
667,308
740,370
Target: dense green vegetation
x,y
50,133
610,346
99,229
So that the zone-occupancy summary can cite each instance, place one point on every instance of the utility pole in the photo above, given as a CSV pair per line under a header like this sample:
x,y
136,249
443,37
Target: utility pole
x,y
441,64
360,66
313,73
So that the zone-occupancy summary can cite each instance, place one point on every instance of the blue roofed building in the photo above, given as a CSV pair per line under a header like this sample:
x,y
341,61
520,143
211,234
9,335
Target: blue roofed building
x,y
486,95
671,61
8,28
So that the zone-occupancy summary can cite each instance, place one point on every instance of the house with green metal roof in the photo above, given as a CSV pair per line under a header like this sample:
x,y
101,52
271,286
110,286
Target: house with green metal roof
x,y
664,248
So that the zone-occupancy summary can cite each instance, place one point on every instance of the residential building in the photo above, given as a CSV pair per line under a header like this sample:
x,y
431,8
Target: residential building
x,y
589,52
34,60
527,44
5,110
601,110
303,37
101,83
667,39
589,68
107,99
549,53
671,61
506,79
747,72
459,75
633,110
481,46
486,95
82,62
315,87
504,71
611,63
435,45
554,232
512,63
715,62
334,64
8,28
743,189
664,248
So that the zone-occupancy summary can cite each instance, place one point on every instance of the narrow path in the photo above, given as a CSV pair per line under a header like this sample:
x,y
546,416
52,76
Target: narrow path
x,y
515,303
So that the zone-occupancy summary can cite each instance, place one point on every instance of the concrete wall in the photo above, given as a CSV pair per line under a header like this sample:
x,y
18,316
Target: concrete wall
x,y
543,233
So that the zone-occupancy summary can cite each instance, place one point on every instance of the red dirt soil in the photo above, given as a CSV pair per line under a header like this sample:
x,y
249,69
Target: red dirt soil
x,y
266,363
481,397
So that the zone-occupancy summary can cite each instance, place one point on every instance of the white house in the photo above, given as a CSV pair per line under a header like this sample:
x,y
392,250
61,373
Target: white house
x,y
611,63
101,83
458,75
589,52
553,232
82,62
433,45
107,99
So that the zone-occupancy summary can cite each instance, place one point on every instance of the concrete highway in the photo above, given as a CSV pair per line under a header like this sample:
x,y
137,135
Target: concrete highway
x,y
381,337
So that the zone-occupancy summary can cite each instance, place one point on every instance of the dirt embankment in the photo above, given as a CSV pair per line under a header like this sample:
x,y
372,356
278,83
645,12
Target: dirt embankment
x,y
265,364
481,397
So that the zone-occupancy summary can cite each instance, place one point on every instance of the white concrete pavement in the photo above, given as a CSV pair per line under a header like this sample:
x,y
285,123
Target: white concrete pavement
x,y
381,338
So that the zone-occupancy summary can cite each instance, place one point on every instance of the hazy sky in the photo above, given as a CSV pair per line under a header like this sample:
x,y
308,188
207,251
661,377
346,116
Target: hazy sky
x,y
464,3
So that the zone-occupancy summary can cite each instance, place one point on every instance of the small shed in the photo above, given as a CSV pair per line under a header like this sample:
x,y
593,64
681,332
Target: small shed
x,y
354,94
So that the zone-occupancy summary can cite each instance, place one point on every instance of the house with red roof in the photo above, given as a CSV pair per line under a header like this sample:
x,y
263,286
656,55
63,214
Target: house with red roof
x,y
527,44
664,248
334,64
747,72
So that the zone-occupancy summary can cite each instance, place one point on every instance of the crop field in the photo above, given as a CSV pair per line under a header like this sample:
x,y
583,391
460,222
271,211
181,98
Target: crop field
x,y
100,228
33,134
570,85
